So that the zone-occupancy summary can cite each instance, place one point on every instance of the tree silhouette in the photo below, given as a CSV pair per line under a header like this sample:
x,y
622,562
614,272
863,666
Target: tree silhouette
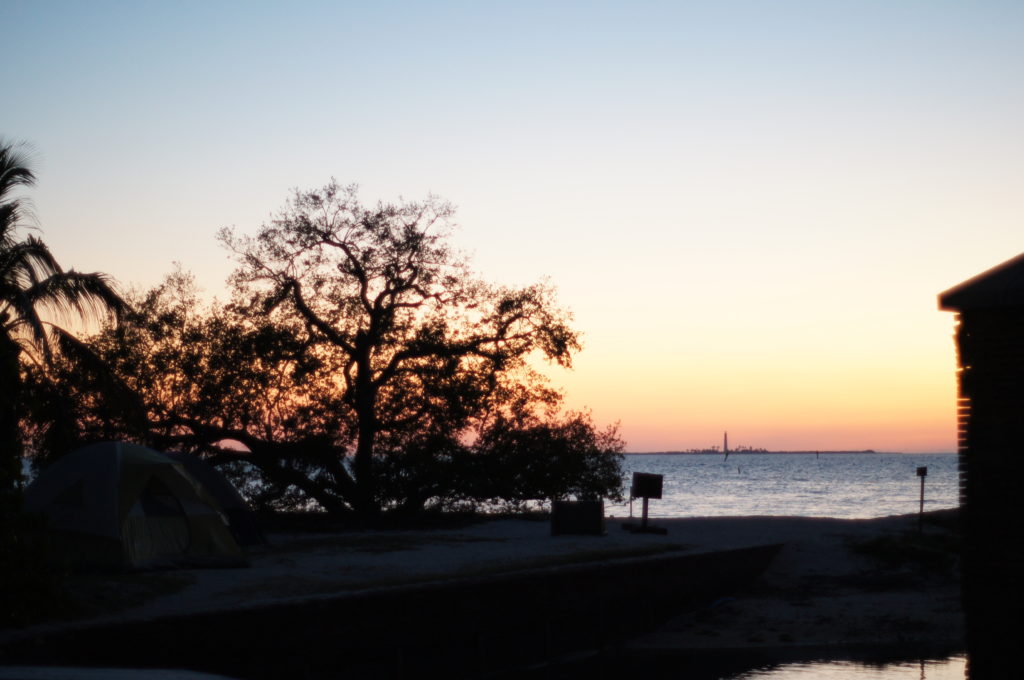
x,y
188,376
423,344
360,364
34,290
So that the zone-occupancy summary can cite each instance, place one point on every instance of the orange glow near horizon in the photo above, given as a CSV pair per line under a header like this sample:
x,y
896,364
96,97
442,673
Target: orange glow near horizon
x,y
840,398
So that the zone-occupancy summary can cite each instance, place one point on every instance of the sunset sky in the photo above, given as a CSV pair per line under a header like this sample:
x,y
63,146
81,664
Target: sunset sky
x,y
749,206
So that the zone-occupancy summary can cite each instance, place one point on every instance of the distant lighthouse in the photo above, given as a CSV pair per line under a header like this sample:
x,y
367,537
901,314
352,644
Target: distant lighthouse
x,y
725,443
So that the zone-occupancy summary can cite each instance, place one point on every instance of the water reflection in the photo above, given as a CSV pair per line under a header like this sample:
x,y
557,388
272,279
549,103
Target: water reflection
x,y
858,663
946,669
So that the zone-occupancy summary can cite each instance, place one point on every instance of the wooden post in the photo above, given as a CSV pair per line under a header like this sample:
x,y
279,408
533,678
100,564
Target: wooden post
x,y
922,472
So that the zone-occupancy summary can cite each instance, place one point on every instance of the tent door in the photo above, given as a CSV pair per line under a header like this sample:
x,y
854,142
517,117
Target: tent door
x,y
156,527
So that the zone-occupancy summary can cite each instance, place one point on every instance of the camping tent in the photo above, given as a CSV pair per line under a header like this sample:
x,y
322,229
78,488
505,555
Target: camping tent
x,y
241,518
117,503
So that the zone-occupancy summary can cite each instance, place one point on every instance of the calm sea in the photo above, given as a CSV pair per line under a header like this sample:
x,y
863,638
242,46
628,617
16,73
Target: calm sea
x,y
846,485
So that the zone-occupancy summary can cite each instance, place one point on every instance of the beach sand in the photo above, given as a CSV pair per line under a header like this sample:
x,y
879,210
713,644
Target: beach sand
x,y
819,590
836,583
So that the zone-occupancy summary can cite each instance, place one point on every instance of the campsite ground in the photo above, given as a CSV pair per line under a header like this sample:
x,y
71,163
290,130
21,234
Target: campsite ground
x,y
836,582
857,583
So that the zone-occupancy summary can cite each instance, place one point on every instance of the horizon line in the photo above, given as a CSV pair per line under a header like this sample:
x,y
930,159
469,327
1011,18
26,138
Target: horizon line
x,y
763,451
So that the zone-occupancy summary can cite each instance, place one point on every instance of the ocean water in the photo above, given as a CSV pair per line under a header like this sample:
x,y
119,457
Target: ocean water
x,y
843,485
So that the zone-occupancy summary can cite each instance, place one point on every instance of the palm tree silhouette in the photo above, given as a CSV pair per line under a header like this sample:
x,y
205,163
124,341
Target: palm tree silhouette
x,y
34,290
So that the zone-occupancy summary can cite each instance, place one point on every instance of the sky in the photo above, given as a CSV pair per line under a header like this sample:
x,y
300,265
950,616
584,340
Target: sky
x,y
749,207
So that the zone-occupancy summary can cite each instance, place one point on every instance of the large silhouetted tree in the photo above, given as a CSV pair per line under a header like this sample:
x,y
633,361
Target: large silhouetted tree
x,y
360,363
34,290
425,348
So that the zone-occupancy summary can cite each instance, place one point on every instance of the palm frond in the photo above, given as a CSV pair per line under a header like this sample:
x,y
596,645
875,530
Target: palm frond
x,y
10,216
20,319
85,296
15,171
26,263
15,167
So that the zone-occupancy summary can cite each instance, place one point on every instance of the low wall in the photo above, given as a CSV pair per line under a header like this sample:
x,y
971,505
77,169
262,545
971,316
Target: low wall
x,y
457,628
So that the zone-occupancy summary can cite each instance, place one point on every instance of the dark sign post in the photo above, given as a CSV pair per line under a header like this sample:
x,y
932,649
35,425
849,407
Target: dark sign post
x,y
922,472
645,485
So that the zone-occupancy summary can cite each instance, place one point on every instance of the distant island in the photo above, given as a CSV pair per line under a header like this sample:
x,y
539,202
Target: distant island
x,y
725,450
714,450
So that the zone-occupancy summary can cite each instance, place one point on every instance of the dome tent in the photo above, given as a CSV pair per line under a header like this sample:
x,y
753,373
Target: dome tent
x,y
122,504
241,518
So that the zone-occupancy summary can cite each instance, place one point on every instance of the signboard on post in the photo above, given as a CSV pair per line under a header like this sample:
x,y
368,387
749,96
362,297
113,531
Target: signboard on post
x,y
646,485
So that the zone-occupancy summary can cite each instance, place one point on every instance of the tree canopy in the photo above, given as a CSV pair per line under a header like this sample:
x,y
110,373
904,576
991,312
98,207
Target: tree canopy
x,y
359,362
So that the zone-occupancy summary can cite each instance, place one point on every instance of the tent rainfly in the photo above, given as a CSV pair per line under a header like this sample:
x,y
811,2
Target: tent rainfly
x,y
122,504
241,519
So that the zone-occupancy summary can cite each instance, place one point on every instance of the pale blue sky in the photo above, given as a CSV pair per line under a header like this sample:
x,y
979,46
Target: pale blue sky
x,y
749,205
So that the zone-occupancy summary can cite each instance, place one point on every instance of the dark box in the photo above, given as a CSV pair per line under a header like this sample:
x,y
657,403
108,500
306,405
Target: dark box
x,y
577,517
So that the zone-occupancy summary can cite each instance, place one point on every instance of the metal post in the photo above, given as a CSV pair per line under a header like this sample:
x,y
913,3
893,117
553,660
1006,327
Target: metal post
x,y
922,472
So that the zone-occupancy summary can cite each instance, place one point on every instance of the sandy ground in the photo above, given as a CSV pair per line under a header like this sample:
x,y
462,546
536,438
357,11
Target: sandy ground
x,y
818,590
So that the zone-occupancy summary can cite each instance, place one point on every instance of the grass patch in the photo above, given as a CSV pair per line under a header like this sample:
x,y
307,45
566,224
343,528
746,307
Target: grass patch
x,y
929,552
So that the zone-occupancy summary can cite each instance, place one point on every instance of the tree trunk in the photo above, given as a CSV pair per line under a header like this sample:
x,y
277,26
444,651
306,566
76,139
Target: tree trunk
x,y
366,502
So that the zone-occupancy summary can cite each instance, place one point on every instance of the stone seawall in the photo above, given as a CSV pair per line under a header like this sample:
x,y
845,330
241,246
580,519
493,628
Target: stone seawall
x,y
456,628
